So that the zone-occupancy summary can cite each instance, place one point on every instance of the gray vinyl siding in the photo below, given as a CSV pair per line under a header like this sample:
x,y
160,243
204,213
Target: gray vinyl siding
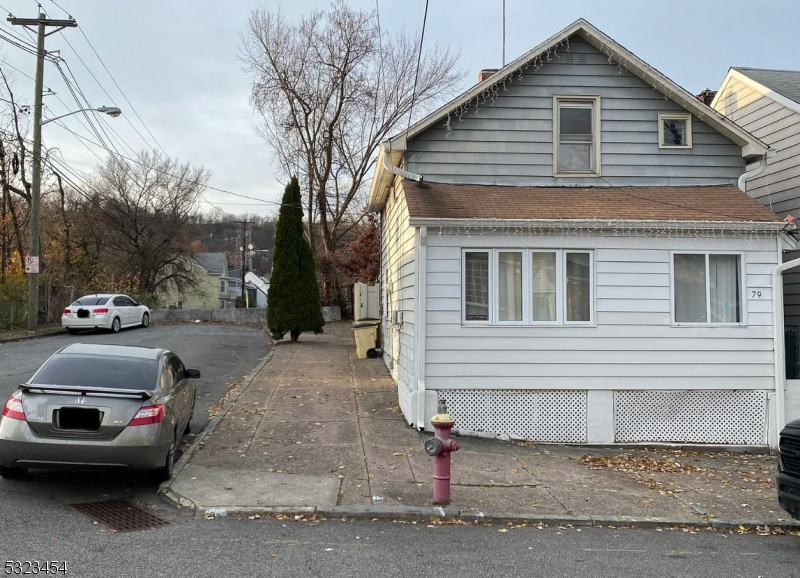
x,y
510,141
398,274
779,187
634,344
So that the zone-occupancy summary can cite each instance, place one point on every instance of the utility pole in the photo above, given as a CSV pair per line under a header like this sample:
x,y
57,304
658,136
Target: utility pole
x,y
41,23
242,248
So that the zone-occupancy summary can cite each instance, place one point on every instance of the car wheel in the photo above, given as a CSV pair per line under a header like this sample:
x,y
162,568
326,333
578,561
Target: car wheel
x,y
164,473
72,331
116,325
145,320
12,473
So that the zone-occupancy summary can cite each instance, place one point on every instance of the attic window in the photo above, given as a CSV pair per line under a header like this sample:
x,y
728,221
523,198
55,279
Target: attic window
x,y
675,130
576,136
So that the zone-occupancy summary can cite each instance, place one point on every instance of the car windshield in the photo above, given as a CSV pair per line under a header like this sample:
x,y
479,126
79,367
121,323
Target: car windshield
x,y
99,371
91,301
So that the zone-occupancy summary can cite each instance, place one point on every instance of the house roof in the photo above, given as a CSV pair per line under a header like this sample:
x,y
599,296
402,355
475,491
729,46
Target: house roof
x,y
785,82
724,203
214,263
391,151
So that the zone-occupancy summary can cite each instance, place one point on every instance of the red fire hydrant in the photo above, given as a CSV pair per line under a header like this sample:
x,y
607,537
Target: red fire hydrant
x,y
440,447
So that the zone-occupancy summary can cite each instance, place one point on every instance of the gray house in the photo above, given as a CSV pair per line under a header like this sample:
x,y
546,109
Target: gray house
x,y
767,104
567,257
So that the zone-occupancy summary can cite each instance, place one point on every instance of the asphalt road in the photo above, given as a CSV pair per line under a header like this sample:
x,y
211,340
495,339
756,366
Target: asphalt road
x,y
242,547
222,353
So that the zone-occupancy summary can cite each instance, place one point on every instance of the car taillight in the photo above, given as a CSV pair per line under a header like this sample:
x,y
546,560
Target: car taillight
x,y
67,311
101,311
13,409
148,414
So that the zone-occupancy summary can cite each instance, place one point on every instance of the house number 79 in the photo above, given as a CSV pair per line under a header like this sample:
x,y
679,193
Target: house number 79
x,y
756,294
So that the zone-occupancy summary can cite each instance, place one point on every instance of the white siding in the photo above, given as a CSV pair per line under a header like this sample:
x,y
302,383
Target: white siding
x,y
634,344
510,141
397,270
779,187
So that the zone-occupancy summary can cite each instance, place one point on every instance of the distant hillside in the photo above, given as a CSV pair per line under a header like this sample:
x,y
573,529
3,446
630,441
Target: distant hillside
x,y
221,236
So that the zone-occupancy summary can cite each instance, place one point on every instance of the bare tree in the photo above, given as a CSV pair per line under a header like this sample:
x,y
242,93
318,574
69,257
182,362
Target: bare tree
x,y
148,209
329,90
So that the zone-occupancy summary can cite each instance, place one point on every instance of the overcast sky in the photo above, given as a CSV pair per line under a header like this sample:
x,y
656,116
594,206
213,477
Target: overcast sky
x,y
177,62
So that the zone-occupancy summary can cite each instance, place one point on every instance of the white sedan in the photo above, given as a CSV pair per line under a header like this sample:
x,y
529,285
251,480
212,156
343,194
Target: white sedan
x,y
105,311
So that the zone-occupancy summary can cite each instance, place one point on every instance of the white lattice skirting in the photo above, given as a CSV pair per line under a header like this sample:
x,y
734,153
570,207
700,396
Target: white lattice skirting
x,y
707,417
737,417
548,416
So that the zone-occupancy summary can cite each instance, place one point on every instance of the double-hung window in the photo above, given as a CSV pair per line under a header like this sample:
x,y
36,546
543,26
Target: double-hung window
x,y
576,138
527,287
707,288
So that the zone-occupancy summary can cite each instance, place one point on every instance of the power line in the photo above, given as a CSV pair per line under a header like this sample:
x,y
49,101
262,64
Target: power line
x,y
419,59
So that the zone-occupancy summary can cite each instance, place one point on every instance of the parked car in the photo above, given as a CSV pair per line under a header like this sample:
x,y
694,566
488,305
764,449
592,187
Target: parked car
x,y
105,311
789,469
99,407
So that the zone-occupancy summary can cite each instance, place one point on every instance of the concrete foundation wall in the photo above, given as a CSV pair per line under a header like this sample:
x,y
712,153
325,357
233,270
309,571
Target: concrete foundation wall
x,y
238,316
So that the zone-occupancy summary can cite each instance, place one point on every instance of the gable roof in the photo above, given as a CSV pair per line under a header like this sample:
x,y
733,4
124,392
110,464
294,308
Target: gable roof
x,y
391,150
214,263
785,82
782,86
721,203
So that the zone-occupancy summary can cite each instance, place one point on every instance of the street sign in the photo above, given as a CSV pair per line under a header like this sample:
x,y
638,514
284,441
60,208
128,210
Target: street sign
x,y
31,264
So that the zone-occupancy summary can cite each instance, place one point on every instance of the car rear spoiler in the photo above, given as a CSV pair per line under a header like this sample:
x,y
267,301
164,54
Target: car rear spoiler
x,y
108,391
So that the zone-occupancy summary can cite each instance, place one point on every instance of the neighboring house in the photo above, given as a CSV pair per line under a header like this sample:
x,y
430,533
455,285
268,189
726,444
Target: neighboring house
x,y
767,104
260,287
211,289
566,257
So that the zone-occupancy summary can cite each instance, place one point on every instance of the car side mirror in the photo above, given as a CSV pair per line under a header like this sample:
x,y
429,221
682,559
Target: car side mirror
x,y
192,374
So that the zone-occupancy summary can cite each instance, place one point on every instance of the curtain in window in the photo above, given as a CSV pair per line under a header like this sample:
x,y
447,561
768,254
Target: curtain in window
x,y
544,287
509,269
724,286
690,289
578,287
476,290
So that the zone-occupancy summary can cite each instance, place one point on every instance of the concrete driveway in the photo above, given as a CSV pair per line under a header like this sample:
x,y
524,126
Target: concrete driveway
x,y
222,353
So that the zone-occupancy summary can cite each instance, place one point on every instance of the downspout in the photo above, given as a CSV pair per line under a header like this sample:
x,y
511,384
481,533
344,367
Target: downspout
x,y
387,164
780,345
762,166
419,321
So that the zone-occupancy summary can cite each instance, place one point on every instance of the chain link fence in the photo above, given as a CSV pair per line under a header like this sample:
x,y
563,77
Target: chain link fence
x,y
13,315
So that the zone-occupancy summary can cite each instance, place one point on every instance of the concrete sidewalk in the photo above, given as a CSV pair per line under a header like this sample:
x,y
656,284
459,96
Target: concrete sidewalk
x,y
319,429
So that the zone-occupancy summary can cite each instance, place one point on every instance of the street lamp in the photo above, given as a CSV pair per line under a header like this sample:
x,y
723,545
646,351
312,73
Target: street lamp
x,y
32,261
111,111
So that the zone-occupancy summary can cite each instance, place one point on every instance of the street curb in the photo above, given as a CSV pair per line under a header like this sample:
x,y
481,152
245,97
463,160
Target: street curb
x,y
165,489
32,337
449,514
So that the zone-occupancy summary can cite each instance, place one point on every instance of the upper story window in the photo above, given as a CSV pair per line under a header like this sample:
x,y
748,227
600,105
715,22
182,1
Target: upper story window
x,y
576,138
222,285
675,130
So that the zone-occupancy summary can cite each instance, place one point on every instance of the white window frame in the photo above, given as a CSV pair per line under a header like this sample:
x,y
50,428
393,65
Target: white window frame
x,y
490,276
592,314
742,290
662,116
594,100
527,288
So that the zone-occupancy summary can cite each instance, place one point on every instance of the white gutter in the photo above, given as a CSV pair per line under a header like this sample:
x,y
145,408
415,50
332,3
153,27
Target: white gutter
x,y
780,345
421,261
387,165
595,224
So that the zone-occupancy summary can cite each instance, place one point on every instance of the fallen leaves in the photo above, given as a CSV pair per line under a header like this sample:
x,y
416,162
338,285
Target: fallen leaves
x,y
634,464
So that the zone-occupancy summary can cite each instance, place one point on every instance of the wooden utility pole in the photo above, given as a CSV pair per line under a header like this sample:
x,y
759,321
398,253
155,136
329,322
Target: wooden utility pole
x,y
243,248
32,267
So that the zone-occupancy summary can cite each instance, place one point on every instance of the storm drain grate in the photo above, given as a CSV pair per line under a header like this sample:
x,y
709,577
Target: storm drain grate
x,y
120,516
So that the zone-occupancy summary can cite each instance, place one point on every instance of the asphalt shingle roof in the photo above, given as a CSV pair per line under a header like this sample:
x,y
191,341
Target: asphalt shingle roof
x,y
702,203
214,263
785,82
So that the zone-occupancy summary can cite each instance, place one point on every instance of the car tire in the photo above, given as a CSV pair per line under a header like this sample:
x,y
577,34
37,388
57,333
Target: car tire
x,y
116,325
146,320
72,331
164,473
12,473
